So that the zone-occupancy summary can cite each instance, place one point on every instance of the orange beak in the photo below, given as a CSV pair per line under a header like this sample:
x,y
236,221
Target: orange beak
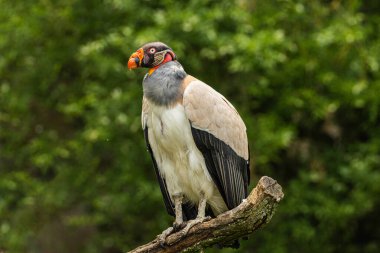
x,y
136,59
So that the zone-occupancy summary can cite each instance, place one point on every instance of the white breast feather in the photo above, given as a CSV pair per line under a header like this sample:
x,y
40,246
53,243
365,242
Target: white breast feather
x,y
178,159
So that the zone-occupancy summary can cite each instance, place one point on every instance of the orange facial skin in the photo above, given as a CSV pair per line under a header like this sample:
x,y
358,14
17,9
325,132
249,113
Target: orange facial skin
x,y
136,59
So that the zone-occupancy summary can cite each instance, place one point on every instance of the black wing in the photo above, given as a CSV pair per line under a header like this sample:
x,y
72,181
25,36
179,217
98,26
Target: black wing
x,y
189,210
229,171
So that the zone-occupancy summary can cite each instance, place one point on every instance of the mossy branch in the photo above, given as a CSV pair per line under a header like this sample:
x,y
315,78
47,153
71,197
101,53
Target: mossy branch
x,y
252,214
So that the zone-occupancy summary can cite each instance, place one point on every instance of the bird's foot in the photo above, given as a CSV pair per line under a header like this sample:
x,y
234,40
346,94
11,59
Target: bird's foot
x,y
162,237
178,226
192,223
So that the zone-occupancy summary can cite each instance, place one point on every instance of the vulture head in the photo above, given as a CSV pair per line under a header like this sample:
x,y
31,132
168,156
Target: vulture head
x,y
151,55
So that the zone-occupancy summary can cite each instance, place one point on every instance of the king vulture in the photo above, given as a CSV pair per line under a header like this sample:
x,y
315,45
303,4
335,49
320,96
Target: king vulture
x,y
196,138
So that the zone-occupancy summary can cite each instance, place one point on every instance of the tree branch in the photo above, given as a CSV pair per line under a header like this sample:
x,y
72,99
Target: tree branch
x,y
252,214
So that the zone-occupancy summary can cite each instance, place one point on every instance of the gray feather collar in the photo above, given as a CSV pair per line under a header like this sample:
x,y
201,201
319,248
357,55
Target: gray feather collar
x,y
163,86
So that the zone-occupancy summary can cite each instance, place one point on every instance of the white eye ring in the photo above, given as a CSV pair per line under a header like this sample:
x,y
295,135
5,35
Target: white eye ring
x,y
152,50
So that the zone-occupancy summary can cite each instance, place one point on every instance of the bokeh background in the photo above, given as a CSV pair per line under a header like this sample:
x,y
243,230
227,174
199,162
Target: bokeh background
x,y
74,172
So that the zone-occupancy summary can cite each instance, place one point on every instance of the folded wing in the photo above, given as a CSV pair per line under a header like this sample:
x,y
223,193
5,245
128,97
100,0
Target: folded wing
x,y
220,134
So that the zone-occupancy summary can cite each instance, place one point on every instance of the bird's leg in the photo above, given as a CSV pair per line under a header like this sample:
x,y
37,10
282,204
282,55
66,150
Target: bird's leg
x,y
200,217
178,223
202,208
178,220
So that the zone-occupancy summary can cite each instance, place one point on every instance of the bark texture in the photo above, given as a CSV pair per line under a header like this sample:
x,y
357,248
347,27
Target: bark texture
x,y
252,214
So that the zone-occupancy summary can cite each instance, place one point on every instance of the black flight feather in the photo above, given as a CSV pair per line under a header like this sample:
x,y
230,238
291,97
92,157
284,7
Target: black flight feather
x,y
229,171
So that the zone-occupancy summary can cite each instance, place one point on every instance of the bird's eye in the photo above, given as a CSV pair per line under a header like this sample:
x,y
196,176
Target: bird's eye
x,y
152,50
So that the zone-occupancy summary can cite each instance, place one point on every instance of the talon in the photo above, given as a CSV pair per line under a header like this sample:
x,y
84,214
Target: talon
x,y
162,237
178,226
192,223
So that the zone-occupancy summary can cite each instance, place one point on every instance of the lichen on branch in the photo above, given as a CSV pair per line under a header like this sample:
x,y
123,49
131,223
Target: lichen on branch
x,y
252,214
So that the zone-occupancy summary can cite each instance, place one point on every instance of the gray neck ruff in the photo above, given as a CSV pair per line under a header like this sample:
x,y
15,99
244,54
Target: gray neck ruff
x,y
163,86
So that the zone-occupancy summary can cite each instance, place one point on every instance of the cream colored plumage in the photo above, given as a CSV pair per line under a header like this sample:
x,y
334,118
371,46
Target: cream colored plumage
x,y
209,110
196,138
179,161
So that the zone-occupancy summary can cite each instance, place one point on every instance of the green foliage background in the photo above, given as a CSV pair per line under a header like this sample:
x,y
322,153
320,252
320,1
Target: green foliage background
x,y
74,172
